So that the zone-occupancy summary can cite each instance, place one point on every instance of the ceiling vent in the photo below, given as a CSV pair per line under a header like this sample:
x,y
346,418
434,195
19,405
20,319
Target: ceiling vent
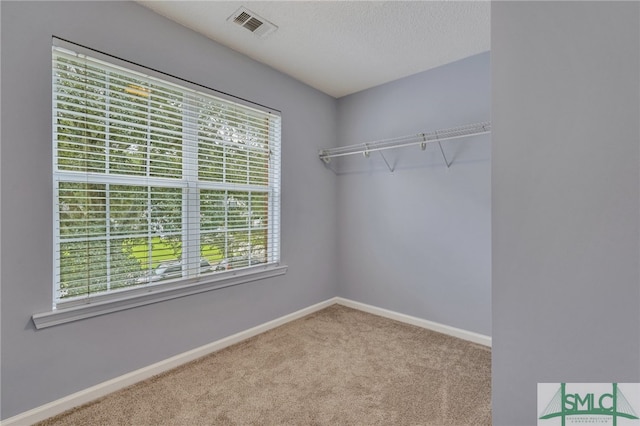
x,y
252,22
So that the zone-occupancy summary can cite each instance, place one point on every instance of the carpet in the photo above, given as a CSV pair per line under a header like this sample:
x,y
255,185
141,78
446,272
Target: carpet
x,y
338,366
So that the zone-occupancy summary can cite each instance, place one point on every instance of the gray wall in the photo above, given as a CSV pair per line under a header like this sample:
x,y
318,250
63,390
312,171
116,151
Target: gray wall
x,y
565,188
41,366
418,240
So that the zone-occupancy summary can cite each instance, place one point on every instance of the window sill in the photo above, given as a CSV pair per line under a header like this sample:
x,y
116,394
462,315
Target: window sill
x,y
88,310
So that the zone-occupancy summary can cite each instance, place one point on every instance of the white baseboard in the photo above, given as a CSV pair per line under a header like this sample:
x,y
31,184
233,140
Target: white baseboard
x,y
408,319
82,397
94,392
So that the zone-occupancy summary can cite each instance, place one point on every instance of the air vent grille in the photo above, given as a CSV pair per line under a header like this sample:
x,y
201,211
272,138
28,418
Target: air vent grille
x,y
252,22
242,18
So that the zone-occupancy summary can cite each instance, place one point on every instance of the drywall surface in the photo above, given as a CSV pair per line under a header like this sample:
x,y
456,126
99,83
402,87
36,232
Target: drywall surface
x,y
565,183
418,240
44,365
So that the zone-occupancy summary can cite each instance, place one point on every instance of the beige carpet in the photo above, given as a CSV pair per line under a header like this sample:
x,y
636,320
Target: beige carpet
x,y
338,366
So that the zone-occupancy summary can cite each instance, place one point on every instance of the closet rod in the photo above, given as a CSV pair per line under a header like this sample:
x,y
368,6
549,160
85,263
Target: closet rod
x,y
418,139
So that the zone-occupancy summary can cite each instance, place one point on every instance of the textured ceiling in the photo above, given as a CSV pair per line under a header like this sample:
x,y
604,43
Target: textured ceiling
x,y
342,47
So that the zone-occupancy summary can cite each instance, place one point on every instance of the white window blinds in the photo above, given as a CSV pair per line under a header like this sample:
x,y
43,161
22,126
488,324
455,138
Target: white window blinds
x,y
154,183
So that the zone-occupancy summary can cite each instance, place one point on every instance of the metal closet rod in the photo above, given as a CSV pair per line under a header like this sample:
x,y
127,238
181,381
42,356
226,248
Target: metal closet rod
x,y
418,139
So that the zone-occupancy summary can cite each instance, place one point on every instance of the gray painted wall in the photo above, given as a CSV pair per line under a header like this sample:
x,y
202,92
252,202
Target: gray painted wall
x,y
418,240
41,366
565,188
564,183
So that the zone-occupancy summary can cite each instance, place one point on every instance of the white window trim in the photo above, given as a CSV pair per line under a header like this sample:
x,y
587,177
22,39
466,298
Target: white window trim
x,y
154,294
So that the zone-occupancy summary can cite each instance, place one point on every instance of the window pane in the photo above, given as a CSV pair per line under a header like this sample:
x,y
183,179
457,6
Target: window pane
x,y
233,146
128,210
259,210
82,210
152,252
238,210
166,132
93,261
129,125
211,142
259,168
125,270
212,248
79,116
238,252
166,212
83,266
259,227
212,210
213,226
237,162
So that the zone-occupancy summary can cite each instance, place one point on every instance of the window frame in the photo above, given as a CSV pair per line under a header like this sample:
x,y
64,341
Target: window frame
x,y
115,300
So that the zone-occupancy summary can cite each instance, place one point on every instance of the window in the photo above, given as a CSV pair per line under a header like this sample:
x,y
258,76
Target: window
x,y
156,184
